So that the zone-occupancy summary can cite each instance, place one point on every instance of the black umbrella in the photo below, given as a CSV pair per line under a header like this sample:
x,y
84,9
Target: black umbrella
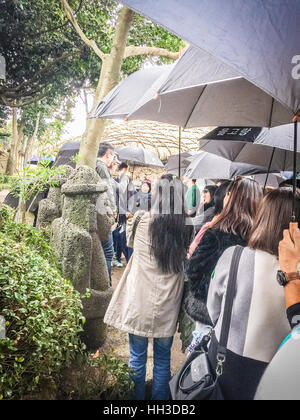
x,y
36,159
273,145
66,153
138,156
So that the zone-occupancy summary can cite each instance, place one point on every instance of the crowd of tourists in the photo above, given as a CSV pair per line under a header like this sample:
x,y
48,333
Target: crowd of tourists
x,y
179,263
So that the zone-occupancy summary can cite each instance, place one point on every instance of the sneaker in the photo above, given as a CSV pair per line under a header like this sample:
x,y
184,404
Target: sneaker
x,y
119,264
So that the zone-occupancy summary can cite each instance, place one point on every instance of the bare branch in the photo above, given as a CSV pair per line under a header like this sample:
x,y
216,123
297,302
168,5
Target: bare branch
x,y
89,42
132,51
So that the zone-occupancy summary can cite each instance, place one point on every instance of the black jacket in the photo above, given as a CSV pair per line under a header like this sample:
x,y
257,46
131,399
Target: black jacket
x,y
199,270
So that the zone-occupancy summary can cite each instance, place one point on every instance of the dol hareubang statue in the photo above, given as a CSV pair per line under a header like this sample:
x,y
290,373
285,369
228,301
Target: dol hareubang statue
x,y
76,239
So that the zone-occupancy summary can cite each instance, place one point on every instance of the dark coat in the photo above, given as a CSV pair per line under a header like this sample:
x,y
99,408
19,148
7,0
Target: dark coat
x,y
200,268
203,218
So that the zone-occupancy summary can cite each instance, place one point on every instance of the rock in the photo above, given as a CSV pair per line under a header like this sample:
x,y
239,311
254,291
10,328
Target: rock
x,y
76,241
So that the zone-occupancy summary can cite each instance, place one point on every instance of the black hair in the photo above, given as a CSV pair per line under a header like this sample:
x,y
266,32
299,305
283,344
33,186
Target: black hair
x,y
103,148
221,181
211,189
289,182
170,235
220,195
123,165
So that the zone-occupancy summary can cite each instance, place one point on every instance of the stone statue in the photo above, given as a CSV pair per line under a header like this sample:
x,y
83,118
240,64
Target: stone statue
x,y
85,220
51,207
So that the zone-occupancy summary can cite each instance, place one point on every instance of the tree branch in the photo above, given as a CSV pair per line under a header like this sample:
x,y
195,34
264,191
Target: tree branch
x,y
89,42
13,104
51,63
132,51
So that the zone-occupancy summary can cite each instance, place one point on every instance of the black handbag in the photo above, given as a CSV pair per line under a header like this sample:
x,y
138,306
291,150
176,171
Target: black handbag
x,y
197,379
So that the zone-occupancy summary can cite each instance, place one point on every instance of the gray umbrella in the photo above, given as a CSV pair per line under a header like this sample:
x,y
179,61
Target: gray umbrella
x,y
200,90
138,156
209,166
120,101
270,180
173,162
259,39
276,159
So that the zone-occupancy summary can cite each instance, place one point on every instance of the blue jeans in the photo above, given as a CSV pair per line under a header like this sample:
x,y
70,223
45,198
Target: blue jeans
x,y
120,245
161,370
108,249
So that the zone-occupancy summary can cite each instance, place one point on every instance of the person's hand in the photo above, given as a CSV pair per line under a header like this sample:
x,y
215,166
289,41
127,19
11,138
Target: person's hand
x,y
129,215
289,249
289,257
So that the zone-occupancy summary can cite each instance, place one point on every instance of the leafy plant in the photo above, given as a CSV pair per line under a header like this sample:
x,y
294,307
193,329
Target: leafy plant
x,y
6,181
43,314
35,180
28,236
98,377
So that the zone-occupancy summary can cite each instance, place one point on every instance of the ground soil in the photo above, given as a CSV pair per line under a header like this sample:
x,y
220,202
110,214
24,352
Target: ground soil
x,y
117,341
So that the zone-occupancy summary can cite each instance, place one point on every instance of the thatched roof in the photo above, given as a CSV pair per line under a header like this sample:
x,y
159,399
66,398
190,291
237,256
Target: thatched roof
x,y
161,138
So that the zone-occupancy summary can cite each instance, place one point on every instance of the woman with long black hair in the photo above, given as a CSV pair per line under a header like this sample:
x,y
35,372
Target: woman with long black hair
x,y
147,300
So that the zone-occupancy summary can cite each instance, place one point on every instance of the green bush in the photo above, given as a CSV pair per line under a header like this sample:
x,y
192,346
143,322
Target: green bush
x,y
101,377
28,235
7,181
43,315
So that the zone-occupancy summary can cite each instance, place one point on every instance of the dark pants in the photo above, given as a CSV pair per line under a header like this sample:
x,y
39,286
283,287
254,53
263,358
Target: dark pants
x,y
108,250
120,245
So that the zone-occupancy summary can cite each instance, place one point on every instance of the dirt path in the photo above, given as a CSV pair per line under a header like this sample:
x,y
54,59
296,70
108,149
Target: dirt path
x,y
117,341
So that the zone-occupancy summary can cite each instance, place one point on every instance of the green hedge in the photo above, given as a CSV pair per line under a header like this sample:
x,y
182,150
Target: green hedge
x,y
43,315
28,235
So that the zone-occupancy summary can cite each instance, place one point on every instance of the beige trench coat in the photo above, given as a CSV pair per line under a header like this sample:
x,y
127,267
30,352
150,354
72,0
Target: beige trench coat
x,y
145,302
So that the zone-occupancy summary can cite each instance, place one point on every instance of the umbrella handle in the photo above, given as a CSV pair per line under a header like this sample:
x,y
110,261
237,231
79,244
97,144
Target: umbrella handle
x,y
297,115
295,121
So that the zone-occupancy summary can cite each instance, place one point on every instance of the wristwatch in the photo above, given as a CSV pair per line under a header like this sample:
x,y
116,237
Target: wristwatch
x,y
284,278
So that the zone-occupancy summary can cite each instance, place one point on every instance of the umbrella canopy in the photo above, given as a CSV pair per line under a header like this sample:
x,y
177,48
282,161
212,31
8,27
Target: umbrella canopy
x,y
173,162
120,101
209,166
276,159
36,159
202,91
281,137
66,153
138,156
259,39
269,180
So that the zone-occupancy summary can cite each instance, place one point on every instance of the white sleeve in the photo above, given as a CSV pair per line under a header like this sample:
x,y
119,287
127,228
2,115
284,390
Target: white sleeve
x,y
218,284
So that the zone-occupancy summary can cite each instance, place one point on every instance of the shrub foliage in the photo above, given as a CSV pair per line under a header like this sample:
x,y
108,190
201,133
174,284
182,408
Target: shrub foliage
x,y
43,315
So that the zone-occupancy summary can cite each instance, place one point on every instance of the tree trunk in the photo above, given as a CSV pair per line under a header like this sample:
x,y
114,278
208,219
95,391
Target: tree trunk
x,y
31,140
109,78
10,169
